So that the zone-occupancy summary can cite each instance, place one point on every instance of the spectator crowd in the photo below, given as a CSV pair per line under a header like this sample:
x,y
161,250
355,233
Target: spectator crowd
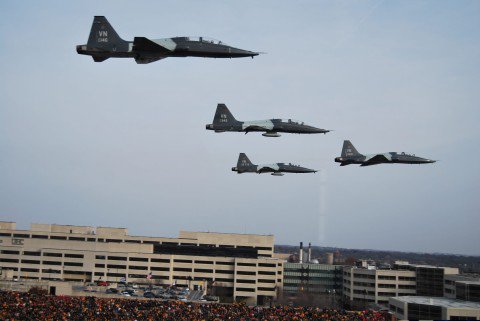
x,y
16,306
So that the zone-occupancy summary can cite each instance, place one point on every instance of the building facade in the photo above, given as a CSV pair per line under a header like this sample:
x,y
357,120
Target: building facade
x,y
462,287
238,267
312,277
376,286
430,279
433,308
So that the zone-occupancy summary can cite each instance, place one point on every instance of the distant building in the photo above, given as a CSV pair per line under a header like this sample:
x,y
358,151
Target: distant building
x,y
430,279
312,277
375,286
429,308
238,267
462,287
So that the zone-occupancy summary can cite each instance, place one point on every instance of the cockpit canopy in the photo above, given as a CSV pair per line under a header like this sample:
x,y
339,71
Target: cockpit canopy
x,y
203,39
292,121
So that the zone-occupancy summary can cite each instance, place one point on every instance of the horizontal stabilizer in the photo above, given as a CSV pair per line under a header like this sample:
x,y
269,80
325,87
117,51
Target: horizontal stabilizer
x,y
99,59
147,45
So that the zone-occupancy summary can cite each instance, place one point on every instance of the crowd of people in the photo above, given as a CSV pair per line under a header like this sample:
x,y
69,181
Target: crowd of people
x,y
15,306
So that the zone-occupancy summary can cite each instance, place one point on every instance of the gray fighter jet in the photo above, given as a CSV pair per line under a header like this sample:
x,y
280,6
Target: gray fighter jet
x,y
351,156
223,121
104,43
244,165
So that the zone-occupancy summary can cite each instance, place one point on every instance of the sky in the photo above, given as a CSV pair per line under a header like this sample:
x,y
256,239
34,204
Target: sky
x,y
124,145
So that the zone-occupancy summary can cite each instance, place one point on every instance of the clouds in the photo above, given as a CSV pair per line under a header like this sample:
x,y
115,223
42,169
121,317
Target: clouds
x,y
121,144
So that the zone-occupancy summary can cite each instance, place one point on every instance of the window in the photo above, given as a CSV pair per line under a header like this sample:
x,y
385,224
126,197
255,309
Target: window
x,y
31,253
73,238
223,280
265,289
74,256
114,241
29,270
139,259
263,248
179,269
204,270
52,263
52,254
72,264
100,266
37,236
31,261
53,237
182,261
133,241
160,260
224,271
266,281
246,281
22,235
116,266
225,263
246,289
10,252
267,272
74,272
387,277
246,273
267,265
137,267
117,258
100,257
203,262
9,260
156,268
6,234
246,264
90,239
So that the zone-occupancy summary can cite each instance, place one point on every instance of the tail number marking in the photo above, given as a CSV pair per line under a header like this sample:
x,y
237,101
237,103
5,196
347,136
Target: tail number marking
x,y
102,36
223,118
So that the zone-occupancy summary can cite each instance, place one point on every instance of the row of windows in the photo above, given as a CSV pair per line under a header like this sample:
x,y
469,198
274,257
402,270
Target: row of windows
x,y
90,239
38,253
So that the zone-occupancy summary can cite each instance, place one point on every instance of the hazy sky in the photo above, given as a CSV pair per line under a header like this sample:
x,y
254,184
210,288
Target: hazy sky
x,y
124,145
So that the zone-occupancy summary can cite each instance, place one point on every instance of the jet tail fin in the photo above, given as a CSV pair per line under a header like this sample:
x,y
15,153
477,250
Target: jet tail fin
x,y
243,161
223,116
348,149
104,37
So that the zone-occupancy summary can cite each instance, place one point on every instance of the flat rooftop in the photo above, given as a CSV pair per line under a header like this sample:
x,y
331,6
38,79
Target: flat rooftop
x,y
443,302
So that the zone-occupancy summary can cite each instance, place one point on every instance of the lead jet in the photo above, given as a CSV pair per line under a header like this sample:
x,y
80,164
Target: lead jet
x,y
104,43
351,156
223,121
244,165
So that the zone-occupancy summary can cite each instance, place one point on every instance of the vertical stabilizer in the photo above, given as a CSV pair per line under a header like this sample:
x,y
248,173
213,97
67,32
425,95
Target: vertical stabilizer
x,y
243,161
223,116
348,150
104,37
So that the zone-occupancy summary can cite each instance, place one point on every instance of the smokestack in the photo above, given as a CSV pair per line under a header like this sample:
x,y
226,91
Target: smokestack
x,y
309,252
300,254
329,258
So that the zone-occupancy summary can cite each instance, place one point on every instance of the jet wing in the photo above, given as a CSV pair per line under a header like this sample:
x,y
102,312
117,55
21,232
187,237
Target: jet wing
x,y
143,44
254,128
265,169
147,60
375,160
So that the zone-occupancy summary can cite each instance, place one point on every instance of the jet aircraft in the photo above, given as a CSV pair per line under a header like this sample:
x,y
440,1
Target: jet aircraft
x,y
223,121
104,43
351,156
244,165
